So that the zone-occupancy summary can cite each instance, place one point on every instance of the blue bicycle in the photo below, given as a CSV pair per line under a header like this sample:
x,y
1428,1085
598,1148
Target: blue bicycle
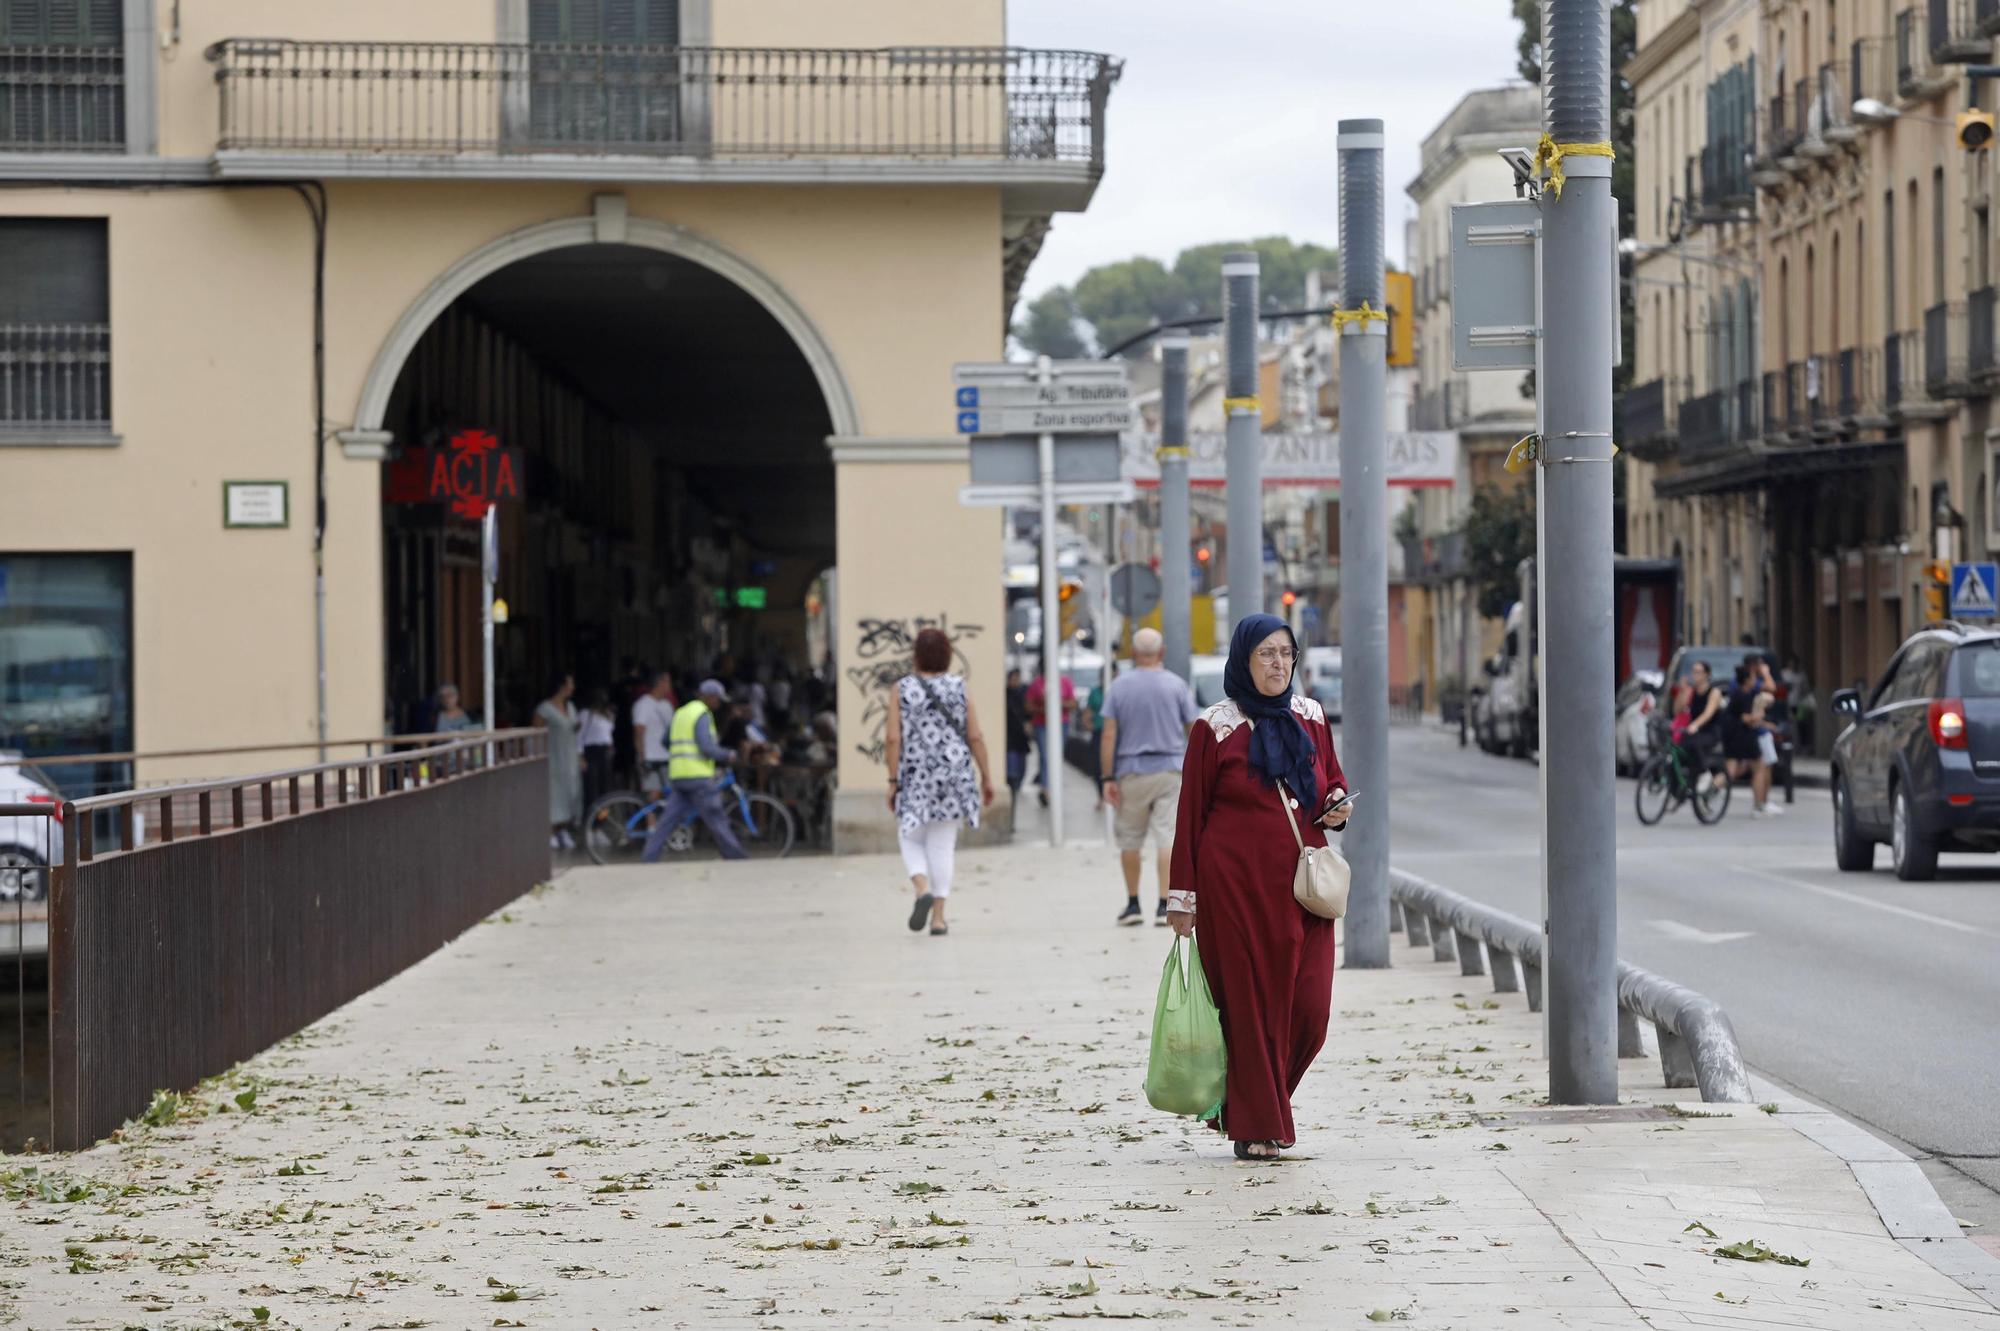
x,y
617,826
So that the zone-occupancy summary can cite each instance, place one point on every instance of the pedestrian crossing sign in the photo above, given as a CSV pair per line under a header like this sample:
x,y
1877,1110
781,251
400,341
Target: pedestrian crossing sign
x,y
1973,591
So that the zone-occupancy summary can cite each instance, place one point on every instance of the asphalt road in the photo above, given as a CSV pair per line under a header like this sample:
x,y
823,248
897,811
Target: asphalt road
x,y
1876,998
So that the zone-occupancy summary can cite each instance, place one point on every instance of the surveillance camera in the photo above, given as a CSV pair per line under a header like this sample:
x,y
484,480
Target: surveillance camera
x,y
1522,160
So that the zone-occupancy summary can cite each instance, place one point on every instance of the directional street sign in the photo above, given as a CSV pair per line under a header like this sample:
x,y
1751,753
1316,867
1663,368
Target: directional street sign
x,y
1973,591
1110,418
1030,394
1135,590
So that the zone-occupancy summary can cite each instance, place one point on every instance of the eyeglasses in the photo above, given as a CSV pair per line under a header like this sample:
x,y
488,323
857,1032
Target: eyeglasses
x,y
1275,655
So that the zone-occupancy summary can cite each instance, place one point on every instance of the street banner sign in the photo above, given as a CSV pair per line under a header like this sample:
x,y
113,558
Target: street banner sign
x,y
1974,594
1135,590
1418,459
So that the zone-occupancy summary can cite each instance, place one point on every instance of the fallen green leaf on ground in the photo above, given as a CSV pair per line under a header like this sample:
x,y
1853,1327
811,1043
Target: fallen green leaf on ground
x,y
1750,1250
1696,1227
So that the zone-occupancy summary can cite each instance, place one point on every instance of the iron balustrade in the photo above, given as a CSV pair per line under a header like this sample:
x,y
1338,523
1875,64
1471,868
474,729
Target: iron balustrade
x,y
1849,400
1892,371
62,99
1642,411
1986,13
1796,417
1704,425
1744,424
55,377
1001,103
1697,1044
1782,138
1945,372
1979,310
1774,402
283,896
1954,32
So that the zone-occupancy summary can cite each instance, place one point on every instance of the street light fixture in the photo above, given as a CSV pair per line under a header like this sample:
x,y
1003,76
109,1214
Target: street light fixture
x,y
1871,111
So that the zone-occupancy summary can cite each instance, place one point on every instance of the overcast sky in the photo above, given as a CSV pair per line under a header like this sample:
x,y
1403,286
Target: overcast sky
x,y
1223,125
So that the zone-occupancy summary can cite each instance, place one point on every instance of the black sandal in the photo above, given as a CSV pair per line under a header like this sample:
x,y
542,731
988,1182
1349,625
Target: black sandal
x,y
1243,1150
940,930
920,913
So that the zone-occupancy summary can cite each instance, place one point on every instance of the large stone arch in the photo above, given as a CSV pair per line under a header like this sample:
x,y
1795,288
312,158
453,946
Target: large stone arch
x,y
610,225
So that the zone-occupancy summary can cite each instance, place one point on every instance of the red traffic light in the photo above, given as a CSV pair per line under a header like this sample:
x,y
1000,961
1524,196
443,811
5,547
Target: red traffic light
x,y
1291,597
1201,555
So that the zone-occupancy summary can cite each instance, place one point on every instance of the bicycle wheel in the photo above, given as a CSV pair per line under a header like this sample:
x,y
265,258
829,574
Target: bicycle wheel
x,y
1711,804
763,825
1655,790
615,829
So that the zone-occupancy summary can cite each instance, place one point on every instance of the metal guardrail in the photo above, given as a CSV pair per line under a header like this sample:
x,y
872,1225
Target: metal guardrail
x,y
175,959
1010,103
1697,1043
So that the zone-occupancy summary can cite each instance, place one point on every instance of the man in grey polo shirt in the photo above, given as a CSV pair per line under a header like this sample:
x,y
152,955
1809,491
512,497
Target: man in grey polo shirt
x,y
1146,718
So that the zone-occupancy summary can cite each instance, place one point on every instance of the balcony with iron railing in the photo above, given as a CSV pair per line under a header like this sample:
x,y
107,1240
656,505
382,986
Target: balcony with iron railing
x,y
1725,175
1773,414
1917,74
62,99
1705,426
55,380
1869,71
1781,136
1979,340
1858,388
1834,105
1986,13
1904,391
1955,36
1946,371
1648,417
361,108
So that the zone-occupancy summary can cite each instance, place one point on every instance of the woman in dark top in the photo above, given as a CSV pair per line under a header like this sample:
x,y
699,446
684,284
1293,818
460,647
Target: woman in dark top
x,y
1019,741
1739,737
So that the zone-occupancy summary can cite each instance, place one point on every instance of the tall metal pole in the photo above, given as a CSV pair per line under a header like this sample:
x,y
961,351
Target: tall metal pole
x,y
1465,599
1052,717
489,560
1364,541
1579,330
1244,459
1176,579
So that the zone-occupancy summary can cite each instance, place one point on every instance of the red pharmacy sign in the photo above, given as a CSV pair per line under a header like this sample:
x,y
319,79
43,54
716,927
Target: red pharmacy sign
x,y
470,474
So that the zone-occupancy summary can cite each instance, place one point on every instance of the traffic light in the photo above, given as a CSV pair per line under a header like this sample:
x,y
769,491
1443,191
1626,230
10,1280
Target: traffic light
x,y
1070,599
1399,292
1291,598
1975,129
1937,591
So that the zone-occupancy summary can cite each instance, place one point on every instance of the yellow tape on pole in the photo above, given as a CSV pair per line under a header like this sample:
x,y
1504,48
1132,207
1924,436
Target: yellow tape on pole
x,y
1246,405
1549,154
1367,314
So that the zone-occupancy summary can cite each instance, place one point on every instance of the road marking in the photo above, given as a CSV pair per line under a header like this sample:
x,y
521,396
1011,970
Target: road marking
x,y
1857,899
1687,933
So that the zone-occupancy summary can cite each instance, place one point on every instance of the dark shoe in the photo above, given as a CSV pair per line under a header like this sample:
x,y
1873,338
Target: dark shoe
x,y
1243,1150
1160,915
1132,914
920,913
1043,795
940,930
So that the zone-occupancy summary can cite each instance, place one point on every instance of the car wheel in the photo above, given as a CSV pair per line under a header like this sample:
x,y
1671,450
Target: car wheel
x,y
1915,856
22,875
1852,852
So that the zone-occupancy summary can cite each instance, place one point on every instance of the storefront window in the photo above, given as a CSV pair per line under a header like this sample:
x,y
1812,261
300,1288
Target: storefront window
x,y
66,664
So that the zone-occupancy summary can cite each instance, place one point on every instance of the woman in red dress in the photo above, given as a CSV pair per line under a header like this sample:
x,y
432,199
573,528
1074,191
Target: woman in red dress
x,y
1269,963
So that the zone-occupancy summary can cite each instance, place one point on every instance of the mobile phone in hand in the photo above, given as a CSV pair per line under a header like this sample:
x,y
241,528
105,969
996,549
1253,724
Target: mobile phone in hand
x,y
1335,806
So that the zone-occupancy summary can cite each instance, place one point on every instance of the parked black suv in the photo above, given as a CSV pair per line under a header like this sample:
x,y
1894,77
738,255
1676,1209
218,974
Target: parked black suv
x,y
1919,765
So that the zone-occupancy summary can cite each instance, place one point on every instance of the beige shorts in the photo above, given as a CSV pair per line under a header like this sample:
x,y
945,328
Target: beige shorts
x,y
1150,800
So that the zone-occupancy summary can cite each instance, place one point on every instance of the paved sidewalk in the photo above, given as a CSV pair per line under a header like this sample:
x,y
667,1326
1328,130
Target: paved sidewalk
x,y
744,1095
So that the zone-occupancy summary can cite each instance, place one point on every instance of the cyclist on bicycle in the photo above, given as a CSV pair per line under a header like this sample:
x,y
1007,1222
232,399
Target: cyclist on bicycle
x,y
1703,736
693,751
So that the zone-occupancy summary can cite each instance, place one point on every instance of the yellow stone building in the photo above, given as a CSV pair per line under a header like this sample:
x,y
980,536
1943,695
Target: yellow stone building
x,y
704,264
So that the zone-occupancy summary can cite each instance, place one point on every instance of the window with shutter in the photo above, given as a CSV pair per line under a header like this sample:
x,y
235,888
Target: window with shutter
x,y
64,75
586,93
55,324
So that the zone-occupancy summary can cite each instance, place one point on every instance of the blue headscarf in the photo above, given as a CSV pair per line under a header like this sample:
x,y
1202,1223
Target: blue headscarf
x,y
1279,745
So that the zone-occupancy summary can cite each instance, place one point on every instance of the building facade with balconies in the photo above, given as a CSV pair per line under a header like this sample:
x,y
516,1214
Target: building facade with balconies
x,y
1872,336
700,267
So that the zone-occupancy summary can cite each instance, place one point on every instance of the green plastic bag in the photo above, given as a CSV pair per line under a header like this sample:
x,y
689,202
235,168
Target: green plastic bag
x,y
1188,1064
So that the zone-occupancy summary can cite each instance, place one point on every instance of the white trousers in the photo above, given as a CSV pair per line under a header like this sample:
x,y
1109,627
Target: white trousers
x,y
931,852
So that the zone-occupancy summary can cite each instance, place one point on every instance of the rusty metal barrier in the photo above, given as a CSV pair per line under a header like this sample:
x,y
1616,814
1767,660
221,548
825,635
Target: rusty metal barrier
x,y
256,905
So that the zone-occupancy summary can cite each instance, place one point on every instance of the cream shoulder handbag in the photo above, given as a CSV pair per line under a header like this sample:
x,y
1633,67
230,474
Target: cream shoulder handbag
x,y
1320,881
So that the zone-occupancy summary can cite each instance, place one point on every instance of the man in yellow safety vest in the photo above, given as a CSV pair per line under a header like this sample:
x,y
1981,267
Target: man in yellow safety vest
x,y
693,751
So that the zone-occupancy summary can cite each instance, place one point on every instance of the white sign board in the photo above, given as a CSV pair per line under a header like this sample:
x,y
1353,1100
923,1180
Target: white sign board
x,y
1033,420
256,504
1417,459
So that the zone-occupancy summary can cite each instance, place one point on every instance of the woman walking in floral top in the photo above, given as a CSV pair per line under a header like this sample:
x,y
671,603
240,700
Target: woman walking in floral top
x,y
938,776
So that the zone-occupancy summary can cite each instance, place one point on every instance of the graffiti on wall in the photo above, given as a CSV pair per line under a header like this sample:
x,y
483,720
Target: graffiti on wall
x,y
885,652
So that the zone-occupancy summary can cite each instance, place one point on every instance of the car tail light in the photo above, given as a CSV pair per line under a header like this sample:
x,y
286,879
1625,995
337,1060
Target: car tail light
x,y
48,799
1947,722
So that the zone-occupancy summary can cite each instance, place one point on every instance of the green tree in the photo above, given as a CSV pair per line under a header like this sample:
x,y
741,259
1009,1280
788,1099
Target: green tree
x,y
1499,533
1120,299
1050,328
1624,42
